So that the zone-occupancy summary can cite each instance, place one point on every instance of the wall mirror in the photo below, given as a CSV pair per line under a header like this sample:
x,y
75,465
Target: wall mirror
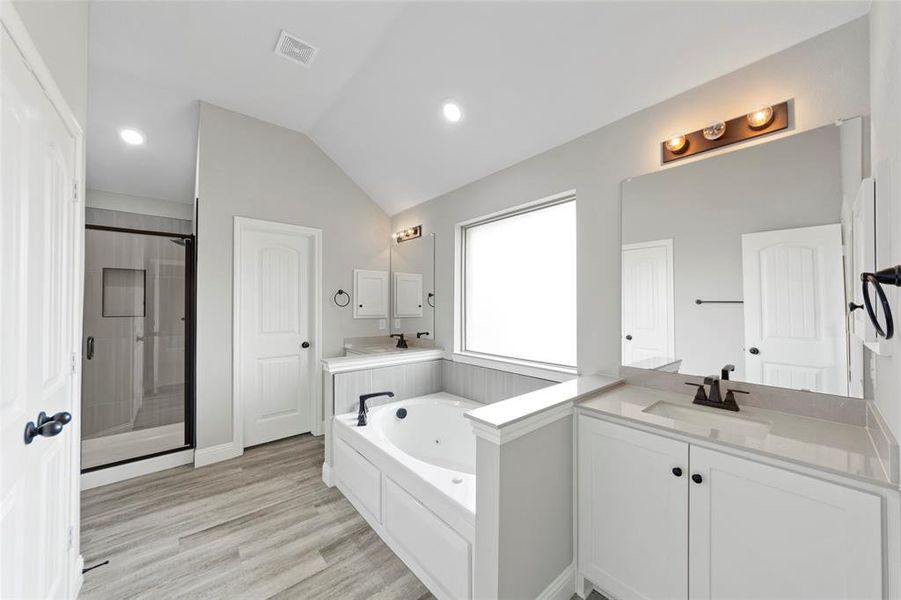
x,y
412,285
742,259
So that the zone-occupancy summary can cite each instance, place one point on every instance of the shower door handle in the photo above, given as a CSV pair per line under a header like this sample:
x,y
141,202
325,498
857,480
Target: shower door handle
x,y
89,353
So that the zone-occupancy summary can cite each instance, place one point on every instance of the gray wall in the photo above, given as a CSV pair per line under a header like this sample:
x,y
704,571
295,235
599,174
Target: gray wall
x,y
885,86
826,76
706,206
254,169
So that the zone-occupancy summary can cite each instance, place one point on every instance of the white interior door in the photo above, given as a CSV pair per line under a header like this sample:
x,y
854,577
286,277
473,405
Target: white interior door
x,y
795,326
647,303
38,248
276,330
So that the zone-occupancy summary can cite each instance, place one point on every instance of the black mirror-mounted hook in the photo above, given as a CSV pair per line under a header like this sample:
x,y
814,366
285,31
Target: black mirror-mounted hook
x,y
890,276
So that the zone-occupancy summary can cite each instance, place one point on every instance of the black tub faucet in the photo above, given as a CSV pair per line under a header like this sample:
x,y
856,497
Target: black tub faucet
x,y
361,414
401,342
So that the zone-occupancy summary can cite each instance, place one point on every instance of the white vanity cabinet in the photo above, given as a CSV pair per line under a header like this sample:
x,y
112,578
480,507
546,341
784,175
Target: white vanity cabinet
x,y
633,511
727,527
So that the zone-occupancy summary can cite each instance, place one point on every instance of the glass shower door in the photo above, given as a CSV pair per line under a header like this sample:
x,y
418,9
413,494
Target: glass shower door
x,y
136,324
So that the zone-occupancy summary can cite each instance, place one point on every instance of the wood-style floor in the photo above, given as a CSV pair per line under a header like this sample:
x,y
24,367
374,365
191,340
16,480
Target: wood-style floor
x,y
259,526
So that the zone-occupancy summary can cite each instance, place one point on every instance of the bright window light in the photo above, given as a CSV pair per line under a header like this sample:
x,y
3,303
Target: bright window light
x,y
452,111
519,285
132,137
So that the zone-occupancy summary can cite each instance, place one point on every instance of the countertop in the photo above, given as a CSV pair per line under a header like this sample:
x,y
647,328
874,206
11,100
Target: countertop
x,y
838,448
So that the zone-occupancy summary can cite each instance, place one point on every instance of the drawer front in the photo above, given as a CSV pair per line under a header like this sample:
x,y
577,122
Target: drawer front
x,y
360,477
429,541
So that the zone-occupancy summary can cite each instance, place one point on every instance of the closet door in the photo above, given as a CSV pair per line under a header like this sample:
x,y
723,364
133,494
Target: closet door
x,y
762,532
633,512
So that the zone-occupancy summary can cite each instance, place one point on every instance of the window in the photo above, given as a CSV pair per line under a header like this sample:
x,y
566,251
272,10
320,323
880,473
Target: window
x,y
519,285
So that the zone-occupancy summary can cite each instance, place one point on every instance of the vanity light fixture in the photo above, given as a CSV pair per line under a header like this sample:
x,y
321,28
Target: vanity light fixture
x,y
714,131
761,121
760,117
452,111
677,144
132,137
405,235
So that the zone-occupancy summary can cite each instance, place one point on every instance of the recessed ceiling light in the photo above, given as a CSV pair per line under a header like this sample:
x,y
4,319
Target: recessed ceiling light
x,y
132,137
452,111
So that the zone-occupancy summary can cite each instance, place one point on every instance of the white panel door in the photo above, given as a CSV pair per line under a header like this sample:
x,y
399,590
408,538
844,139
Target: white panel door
x,y
647,302
38,250
795,325
633,512
407,295
276,320
370,294
762,532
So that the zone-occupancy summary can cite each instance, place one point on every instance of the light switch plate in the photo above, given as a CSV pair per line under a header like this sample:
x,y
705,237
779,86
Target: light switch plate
x,y
383,324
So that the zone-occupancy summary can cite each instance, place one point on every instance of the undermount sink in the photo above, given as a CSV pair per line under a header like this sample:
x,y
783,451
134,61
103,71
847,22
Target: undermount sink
x,y
704,417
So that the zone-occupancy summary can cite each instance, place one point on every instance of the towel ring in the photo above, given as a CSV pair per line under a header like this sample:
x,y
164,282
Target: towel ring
x,y
891,276
341,293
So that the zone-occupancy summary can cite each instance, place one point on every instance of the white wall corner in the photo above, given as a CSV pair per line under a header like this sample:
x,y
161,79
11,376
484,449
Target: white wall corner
x,y
562,587
328,478
517,429
214,454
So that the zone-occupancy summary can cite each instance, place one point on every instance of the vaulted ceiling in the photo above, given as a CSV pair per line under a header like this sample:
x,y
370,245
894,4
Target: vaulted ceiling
x,y
528,75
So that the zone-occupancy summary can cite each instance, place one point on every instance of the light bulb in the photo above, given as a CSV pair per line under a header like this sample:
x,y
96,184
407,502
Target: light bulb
x,y
676,144
714,131
132,137
761,117
452,111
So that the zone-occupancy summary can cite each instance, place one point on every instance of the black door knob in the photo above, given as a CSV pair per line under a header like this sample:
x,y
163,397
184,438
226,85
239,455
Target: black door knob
x,y
46,426
677,471
697,478
754,351
305,345
629,337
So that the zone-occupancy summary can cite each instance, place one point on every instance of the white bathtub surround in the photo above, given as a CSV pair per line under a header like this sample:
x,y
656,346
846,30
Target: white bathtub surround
x,y
524,541
726,502
413,480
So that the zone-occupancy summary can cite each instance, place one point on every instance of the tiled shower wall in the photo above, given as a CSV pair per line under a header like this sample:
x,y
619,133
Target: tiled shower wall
x,y
418,379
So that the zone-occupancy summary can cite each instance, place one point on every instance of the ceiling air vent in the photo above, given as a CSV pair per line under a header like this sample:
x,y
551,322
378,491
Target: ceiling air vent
x,y
295,49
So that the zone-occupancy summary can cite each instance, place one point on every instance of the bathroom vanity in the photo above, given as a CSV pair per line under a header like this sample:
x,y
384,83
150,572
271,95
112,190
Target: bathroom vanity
x,y
758,504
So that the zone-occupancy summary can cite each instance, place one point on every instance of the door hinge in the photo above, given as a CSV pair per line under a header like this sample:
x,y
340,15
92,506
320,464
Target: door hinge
x,y
70,536
73,361
75,191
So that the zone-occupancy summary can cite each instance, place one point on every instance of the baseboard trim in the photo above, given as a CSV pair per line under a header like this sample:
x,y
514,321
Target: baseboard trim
x,y
562,587
328,477
135,469
214,454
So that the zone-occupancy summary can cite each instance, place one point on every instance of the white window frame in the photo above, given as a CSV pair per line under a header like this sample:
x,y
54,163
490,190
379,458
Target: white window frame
x,y
553,372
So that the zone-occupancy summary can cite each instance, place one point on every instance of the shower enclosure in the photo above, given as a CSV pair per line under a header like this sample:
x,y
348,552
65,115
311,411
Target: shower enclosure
x,y
137,382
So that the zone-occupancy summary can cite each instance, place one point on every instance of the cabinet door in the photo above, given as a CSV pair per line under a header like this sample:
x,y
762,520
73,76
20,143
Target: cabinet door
x,y
633,512
370,294
762,532
407,295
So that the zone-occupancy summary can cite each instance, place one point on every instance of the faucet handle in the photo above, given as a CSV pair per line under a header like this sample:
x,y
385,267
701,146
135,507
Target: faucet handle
x,y
730,402
701,394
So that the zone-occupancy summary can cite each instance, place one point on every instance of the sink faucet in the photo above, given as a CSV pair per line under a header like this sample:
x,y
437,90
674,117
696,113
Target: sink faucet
x,y
401,342
724,373
715,399
361,414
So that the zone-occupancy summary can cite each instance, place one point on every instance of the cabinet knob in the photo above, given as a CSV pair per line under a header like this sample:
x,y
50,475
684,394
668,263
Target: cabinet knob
x,y
677,471
305,345
697,478
629,337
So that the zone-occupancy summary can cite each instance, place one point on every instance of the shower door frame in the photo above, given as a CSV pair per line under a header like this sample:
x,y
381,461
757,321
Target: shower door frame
x,y
190,338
